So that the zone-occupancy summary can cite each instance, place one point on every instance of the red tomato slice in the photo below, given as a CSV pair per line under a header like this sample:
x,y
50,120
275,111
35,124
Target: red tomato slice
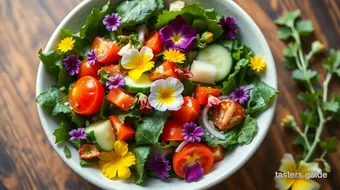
x,y
172,131
154,42
86,96
121,99
218,152
106,50
202,93
228,114
87,69
193,152
88,151
189,111
167,69
123,131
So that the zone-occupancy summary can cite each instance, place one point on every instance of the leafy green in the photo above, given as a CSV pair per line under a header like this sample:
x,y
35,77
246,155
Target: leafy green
x,y
52,61
331,106
103,76
309,118
229,141
133,114
304,27
299,75
150,128
284,33
189,87
164,145
231,83
292,49
81,45
309,98
136,11
54,101
289,63
67,152
61,133
248,131
288,18
89,162
260,97
332,64
191,13
142,153
76,143
241,52
329,144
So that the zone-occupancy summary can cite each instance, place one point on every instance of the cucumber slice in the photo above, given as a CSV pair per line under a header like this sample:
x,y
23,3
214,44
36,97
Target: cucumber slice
x,y
102,134
220,57
143,84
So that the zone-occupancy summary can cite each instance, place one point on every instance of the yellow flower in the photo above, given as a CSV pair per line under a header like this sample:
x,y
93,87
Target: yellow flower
x,y
117,162
287,120
137,62
174,56
66,44
257,63
297,178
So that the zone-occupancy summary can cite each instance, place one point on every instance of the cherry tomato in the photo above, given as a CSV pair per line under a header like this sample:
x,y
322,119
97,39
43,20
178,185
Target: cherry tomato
x,y
218,152
123,131
115,70
202,93
228,114
88,151
154,42
87,69
172,131
121,99
106,50
189,111
192,152
86,96
167,69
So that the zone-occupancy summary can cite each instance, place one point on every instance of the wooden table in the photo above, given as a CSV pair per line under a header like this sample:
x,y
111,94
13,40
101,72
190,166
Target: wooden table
x,y
28,161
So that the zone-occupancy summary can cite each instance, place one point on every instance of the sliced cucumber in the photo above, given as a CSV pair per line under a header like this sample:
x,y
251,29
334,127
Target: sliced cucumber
x,y
220,57
143,84
102,134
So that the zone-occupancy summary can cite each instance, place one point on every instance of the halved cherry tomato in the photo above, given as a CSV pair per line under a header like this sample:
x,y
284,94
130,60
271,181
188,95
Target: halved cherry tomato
x,y
218,152
123,131
106,50
115,70
121,99
167,69
87,69
228,114
172,131
154,42
202,93
86,96
193,152
189,111
88,151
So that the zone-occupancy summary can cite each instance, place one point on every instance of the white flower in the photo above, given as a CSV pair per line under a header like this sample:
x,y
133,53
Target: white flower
x,y
166,94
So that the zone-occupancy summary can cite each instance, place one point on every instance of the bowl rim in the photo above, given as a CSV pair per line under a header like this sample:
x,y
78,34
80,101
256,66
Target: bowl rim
x,y
219,178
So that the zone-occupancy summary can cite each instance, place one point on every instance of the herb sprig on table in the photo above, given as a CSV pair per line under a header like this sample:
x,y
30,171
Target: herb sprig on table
x,y
323,106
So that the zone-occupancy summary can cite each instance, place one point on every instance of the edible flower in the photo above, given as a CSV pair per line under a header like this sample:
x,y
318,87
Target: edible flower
x,y
117,162
240,95
143,101
257,63
92,57
229,27
213,101
303,174
77,134
207,37
159,165
193,172
166,94
66,44
174,56
115,82
192,132
138,62
178,35
72,64
112,22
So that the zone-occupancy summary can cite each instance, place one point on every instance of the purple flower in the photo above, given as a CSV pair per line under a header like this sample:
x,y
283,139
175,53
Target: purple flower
x,y
72,64
193,173
159,165
92,57
178,35
77,134
192,132
115,81
112,22
229,26
240,95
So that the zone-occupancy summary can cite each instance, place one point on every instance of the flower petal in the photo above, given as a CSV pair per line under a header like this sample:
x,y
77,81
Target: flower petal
x,y
136,73
109,169
130,59
123,172
153,101
287,164
303,184
309,168
193,173
128,160
121,148
175,84
107,156
283,183
146,54
176,104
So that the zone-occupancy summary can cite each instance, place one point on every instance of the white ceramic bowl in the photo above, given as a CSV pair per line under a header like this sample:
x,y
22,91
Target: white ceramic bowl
x,y
250,35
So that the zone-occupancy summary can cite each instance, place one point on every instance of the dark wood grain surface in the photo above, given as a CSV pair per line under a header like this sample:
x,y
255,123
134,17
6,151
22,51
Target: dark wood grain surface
x,y
28,161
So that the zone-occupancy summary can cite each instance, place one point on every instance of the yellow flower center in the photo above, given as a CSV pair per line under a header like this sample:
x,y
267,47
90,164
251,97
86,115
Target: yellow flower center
x,y
193,159
177,38
166,95
174,56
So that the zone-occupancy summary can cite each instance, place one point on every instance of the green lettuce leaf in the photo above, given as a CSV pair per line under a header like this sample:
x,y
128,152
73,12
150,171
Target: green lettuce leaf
x,y
142,153
229,142
67,152
248,131
52,61
232,83
54,101
61,133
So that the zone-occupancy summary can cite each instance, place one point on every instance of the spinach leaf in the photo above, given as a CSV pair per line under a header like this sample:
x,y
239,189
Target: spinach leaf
x,y
142,153
61,133
248,131
52,61
54,101
150,128
231,83
260,97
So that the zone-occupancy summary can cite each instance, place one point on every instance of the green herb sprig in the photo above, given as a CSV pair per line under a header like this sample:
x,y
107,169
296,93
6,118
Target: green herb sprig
x,y
322,108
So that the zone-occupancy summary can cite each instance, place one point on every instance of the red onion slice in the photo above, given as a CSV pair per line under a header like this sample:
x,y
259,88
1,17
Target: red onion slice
x,y
210,129
180,146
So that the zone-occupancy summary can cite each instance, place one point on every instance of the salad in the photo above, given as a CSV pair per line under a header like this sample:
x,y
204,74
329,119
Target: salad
x,y
148,91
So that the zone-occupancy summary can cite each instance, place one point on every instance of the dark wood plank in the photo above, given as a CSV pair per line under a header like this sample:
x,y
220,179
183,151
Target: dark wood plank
x,y
26,154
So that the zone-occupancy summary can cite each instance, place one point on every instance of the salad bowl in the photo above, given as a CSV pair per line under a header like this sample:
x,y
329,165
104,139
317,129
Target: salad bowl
x,y
250,34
